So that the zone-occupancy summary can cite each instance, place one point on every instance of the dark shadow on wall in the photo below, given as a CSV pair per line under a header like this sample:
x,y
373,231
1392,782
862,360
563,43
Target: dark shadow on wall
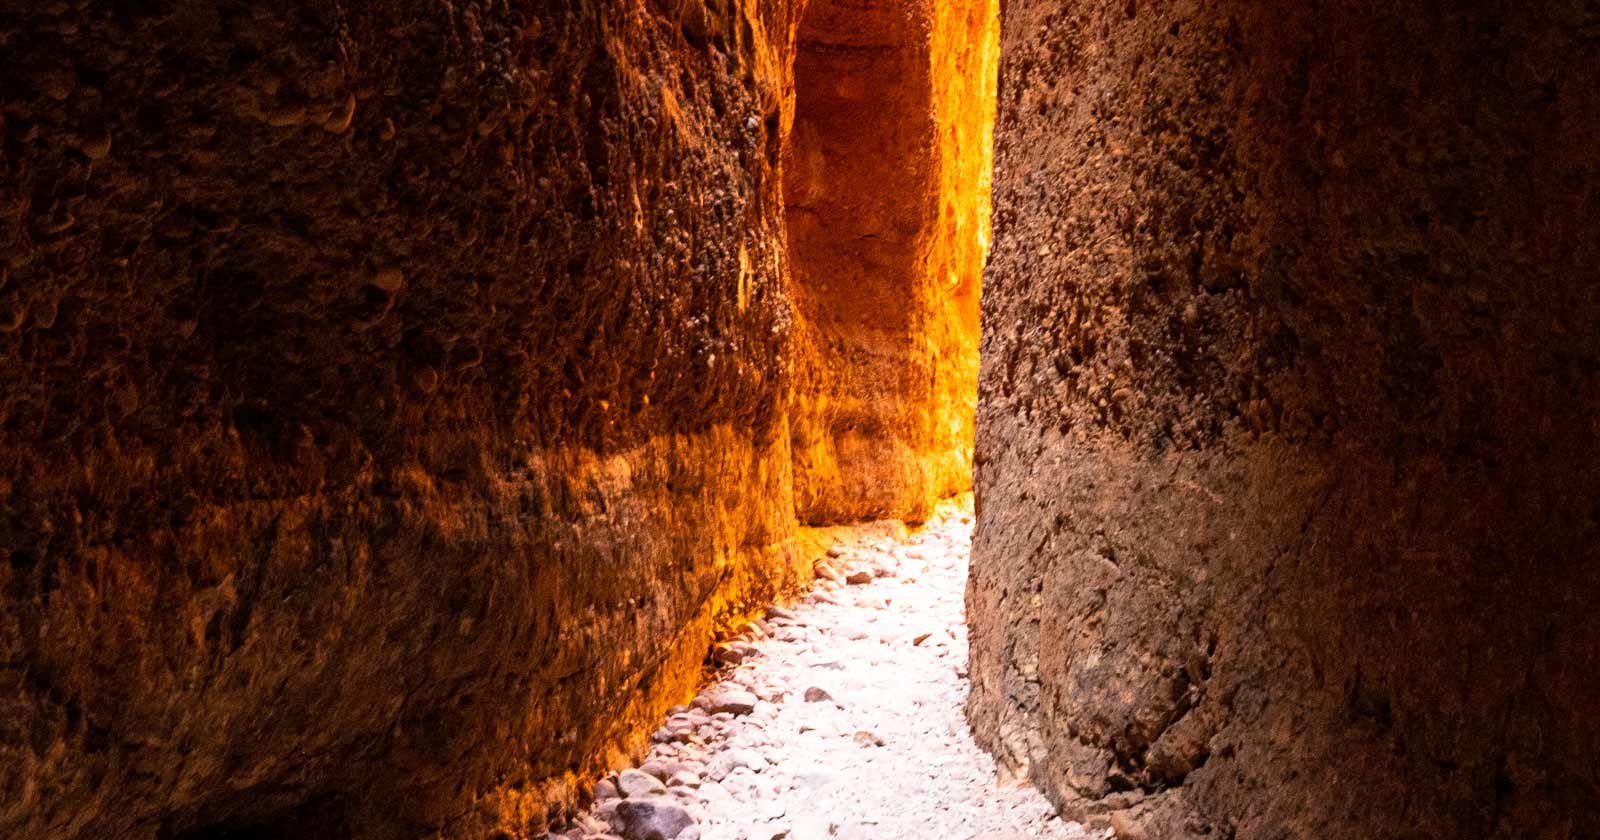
x,y
324,818
1286,469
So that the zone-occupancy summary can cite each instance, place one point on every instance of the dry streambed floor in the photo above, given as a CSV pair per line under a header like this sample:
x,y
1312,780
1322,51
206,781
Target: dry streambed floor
x,y
839,717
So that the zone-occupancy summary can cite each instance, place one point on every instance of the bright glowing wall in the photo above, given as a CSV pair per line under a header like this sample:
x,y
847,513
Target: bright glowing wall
x,y
887,189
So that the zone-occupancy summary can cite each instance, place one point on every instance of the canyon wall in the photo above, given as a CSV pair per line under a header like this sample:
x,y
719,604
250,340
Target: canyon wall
x,y
1286,464
391,402
887,185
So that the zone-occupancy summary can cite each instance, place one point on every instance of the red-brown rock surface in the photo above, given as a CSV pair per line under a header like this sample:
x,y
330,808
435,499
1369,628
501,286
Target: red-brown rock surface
x,y
390,401
398,397
1286,453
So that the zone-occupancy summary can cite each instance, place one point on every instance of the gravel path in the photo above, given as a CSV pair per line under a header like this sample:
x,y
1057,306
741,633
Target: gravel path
x,y
840,717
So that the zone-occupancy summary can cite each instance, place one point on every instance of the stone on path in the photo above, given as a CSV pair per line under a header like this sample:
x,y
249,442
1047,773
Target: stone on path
x,y
826,571
651,819
733,702
767,753
683,778
656,769
868,739
637,784
727,761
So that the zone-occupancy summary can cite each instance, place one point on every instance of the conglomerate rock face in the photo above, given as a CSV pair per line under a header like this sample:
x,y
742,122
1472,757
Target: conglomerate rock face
x,y
1286,440
390,402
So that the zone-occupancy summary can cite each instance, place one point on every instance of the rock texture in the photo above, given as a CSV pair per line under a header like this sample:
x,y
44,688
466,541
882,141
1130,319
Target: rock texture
x,y
887,184
1286,448
391,402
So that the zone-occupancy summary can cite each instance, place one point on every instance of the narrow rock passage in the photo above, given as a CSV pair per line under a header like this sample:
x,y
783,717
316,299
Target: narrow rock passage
x,y
840,717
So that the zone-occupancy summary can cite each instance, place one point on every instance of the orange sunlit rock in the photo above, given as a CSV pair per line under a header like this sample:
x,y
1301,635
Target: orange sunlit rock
x,y
887,187
395,397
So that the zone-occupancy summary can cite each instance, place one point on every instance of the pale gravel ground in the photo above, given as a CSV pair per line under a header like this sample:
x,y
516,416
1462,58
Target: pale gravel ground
x,y
815,770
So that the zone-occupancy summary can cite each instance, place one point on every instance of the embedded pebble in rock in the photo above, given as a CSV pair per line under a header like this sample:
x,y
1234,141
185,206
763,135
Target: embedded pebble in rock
x,y
882,753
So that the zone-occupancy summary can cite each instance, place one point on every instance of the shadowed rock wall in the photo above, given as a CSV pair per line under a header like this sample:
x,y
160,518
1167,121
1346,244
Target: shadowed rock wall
x,y
391,401
1286,442
887,186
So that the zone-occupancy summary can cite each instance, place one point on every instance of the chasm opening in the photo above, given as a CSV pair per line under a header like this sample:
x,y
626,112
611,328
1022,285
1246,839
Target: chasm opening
x,y
886,182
